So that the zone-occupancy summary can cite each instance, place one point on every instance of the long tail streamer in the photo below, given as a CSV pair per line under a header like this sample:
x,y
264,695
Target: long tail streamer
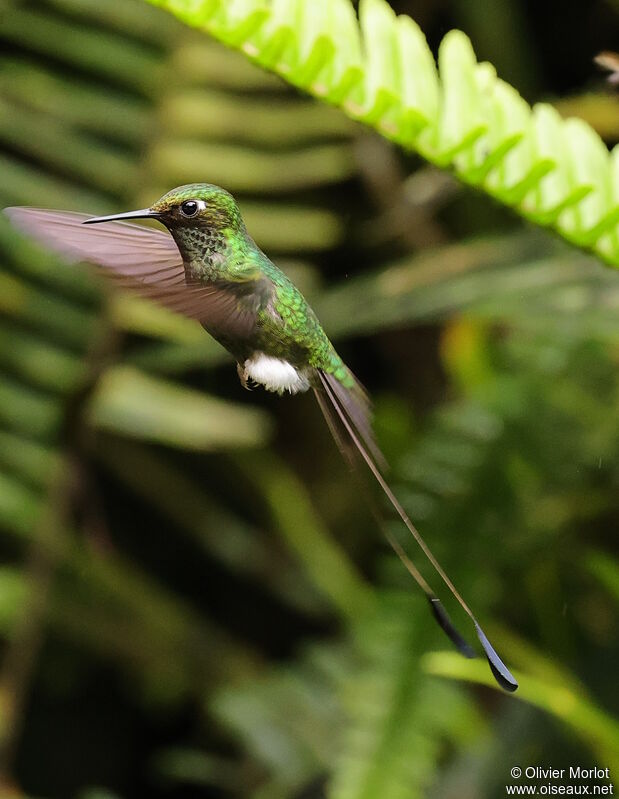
x,y
340,420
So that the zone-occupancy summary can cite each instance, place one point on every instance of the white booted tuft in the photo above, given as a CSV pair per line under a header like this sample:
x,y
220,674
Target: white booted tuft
x,y
275,374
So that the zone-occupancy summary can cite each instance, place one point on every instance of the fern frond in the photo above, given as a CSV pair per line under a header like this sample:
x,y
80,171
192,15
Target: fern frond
x,y
379,70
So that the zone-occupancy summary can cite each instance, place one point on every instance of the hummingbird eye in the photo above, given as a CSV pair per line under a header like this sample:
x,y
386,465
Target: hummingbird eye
x,y
190,208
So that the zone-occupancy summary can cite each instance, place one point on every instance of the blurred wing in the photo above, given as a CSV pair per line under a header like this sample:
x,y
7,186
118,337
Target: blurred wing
x,y
144,260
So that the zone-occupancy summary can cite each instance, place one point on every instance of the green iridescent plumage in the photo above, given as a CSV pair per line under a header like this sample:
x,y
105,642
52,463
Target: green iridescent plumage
x,y
216,246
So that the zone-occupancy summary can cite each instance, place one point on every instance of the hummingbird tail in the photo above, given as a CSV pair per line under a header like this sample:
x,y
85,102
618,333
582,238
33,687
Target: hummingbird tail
x,y
347,413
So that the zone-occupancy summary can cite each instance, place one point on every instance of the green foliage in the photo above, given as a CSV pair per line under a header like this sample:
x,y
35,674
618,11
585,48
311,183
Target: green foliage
x,y
183,553
380,71
486,452
548,688
152,409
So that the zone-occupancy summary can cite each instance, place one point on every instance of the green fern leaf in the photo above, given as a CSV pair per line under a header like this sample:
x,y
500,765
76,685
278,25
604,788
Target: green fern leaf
x,y
462,117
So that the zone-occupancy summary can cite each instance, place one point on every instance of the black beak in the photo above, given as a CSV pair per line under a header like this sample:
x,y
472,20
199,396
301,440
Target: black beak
x,y
144,213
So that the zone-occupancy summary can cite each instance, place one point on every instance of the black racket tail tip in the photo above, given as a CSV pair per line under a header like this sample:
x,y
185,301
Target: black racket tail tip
x,y
501,673
446,624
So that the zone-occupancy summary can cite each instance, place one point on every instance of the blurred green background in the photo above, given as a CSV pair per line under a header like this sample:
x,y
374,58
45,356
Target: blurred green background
x,y
194,600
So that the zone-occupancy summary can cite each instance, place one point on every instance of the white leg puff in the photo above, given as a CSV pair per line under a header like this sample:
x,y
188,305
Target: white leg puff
x,y
275,374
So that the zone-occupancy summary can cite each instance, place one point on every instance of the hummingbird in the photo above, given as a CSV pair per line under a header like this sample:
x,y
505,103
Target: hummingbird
x,y
207,267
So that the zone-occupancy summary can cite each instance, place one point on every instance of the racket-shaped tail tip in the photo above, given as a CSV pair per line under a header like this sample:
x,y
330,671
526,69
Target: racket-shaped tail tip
x,y
446,624
500,671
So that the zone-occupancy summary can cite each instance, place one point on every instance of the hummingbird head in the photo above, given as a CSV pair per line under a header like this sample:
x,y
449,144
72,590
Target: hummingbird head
x,y
198,205
193,205
202,218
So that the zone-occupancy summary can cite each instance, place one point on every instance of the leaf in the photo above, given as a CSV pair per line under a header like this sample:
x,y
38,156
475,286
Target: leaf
x,y
13,596
497,279
570,706
182,498
398,718
132,403
606,569
373,83
300,526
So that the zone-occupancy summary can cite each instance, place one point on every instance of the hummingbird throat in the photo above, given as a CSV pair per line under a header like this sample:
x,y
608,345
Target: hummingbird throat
x,y
205,253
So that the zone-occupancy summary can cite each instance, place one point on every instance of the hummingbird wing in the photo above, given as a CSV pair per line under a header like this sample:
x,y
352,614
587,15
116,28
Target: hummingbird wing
x,y
144,260
347,413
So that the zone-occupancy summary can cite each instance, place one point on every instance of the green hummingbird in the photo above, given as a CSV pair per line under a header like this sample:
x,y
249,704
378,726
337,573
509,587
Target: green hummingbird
x,y
209,268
